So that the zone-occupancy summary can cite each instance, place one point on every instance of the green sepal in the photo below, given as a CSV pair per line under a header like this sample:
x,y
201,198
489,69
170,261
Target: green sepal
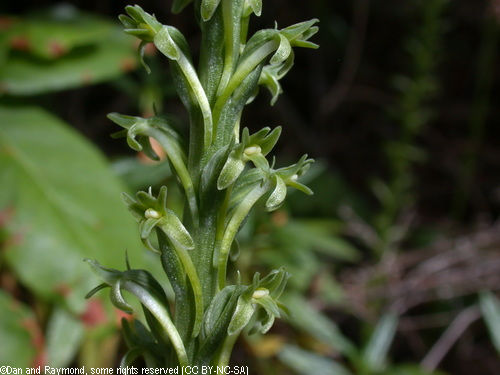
x,y
299,33
140,20
133,206
269,305
208,8
231,170
142,52
278,195
176,231
109,276
271,74
264,322
215,310
115,295
146,226
242,315
275,282
284,50
96,289
166,45
216,320
255,6
245,183
211,171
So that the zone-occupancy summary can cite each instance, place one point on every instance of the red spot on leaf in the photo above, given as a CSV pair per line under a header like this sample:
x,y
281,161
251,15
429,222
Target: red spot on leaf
x,y
6,23
94,315
37,339
3,88
40,360
150,50
56,49
63,290
128,64
87,77
123,315
20,43
6,215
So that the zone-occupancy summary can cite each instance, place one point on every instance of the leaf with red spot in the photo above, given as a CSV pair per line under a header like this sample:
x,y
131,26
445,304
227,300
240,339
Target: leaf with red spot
x,y
54,52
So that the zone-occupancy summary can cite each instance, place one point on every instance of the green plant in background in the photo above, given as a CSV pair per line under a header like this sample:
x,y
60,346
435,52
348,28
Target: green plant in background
x,y
223,172
59,200
413,112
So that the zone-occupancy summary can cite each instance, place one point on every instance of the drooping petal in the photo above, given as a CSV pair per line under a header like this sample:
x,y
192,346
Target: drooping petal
x,y
278,195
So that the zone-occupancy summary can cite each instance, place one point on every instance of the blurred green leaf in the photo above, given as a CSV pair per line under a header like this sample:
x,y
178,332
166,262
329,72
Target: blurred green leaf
x,y
375,353
61,204
490,308
139,176
62,49
308,363
64,335
19,333
305,317
320,235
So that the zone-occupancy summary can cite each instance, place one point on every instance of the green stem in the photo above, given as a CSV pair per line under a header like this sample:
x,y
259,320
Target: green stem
x,y
242,71
226,349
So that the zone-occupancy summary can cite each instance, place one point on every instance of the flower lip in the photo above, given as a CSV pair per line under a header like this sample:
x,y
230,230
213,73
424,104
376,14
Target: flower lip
x,y
252,150
260,293
152,214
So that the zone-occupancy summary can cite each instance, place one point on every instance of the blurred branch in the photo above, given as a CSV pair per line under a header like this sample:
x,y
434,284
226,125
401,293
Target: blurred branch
x,y
449,269
450,336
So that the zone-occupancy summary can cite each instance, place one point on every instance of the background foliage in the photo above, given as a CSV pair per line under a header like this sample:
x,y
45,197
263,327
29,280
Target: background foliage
x,y
395,258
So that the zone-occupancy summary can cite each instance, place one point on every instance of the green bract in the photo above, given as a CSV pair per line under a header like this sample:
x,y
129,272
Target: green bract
x,y
224,173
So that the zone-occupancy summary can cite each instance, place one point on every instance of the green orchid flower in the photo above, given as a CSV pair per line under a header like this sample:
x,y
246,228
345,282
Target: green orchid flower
x,y
252,148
